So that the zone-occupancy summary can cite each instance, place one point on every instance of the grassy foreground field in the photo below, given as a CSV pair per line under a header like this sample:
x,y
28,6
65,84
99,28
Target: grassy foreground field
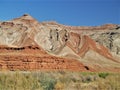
x,y
59,80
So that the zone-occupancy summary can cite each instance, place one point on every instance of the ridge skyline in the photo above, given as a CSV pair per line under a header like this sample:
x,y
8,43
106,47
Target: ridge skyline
x,y
55,21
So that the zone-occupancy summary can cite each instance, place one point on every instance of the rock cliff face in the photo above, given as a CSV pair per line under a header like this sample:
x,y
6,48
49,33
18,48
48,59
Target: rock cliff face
x,y
30,45
111,40
34,58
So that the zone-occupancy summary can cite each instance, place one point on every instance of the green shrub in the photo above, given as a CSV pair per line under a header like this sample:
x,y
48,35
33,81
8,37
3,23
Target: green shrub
x,y
47,82
103,75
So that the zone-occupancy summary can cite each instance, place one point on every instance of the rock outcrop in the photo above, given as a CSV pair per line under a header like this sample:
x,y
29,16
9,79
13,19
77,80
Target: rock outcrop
x,y
111,40
33,58
29,44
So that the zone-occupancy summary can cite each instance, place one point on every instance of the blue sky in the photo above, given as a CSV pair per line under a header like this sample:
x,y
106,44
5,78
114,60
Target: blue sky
x,y
68,12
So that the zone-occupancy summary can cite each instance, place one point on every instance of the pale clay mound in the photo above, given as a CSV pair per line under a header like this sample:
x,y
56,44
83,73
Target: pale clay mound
x,y
97,48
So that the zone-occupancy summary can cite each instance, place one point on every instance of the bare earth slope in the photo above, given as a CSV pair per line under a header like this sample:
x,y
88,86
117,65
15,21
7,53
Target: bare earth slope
x,y
26,44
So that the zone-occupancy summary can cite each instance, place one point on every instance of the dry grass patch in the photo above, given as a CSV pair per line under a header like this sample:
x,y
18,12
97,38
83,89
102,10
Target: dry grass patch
x,y
59,80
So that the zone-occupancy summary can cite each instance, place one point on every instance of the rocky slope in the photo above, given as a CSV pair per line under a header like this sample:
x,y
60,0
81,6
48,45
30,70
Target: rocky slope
x,y
35,58
58,46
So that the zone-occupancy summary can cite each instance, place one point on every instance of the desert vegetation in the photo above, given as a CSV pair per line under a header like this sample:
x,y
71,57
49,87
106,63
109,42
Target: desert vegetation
x,y
59,80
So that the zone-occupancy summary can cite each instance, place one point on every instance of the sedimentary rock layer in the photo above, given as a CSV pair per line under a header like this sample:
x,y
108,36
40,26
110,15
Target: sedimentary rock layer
x,y
23,40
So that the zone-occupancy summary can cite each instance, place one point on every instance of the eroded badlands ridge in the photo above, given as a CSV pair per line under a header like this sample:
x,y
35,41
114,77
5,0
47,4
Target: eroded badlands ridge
x,y
26,44
34,58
